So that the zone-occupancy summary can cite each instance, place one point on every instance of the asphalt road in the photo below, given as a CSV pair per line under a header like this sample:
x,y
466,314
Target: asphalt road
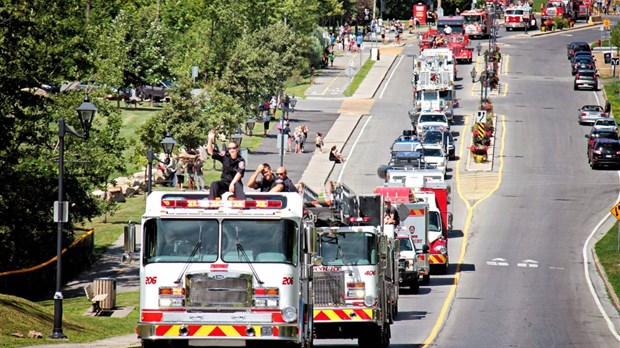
x,y
522,280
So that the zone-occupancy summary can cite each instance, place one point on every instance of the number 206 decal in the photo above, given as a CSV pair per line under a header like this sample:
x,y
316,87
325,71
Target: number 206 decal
x,y
150,280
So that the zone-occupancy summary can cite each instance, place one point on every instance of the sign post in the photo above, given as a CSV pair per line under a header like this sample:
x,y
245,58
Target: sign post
x,y
615,211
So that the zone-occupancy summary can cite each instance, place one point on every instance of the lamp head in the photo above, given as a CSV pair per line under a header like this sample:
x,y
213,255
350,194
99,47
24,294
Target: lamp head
x,y
86,112
168,144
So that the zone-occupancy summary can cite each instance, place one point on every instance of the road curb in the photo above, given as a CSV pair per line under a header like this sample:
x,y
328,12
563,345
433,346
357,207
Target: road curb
x,y
601,271
585,26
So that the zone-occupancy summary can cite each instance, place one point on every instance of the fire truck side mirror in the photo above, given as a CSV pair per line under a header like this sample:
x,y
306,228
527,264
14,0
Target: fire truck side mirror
x,y
383,247
450,217
310,240
425,248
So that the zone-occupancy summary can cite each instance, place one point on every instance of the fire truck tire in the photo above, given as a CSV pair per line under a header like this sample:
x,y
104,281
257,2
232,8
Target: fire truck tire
x,y
164,344
414,286
426,279
375,337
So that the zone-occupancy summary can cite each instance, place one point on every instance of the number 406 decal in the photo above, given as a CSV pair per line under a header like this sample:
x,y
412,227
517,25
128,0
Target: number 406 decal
x,y
151,280
370,273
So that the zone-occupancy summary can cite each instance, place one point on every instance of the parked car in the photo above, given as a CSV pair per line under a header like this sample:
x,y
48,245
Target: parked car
x,y
587,79
606,123
577,46
156,93
604,152
581,54
590,113
582,63
600,134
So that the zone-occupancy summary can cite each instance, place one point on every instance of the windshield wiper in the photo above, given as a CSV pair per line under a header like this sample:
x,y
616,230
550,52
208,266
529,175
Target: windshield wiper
x,y
245,257
187,263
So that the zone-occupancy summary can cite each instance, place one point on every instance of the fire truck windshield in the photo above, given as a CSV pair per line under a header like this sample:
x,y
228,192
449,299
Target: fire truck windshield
x,y
470,19
173,240
348,248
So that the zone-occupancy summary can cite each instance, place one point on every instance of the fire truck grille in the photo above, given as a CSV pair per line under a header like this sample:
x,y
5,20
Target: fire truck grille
x,y
328,288
219,290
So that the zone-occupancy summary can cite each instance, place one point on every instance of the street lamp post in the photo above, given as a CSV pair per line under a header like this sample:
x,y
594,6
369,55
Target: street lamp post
x,y
168,145
282,136
86,111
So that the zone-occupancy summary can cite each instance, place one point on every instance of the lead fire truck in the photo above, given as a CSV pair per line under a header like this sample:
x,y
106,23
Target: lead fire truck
x,y
355,279
478,23
225,272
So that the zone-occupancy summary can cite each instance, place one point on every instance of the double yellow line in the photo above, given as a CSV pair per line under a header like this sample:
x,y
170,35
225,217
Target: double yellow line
x,y
470,209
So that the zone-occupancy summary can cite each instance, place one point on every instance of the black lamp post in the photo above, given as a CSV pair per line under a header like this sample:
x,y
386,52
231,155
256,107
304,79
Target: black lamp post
x,y
249,125
86,111
168,145
282,135
293,103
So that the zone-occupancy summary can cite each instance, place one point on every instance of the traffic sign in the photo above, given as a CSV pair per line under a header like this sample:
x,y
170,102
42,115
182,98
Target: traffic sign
x,y
615,61
606,23
615,211
481,117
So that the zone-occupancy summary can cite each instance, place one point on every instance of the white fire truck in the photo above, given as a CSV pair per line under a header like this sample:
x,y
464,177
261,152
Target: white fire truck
x,y
355,285
225,272
434,74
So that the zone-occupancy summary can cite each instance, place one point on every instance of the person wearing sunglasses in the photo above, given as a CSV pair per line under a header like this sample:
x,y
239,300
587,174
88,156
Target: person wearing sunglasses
x,y
233,168
282,182
265,182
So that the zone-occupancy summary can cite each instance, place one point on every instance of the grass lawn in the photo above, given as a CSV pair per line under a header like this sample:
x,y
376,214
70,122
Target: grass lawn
x,y
607,251
21,316
359,77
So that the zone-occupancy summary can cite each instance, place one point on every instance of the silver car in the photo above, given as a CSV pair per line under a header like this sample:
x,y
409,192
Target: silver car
x,y
588,114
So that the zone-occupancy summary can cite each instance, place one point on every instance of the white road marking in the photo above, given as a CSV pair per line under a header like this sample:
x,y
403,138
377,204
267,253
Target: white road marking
x,y
558,268
359,136
584,252
390,78
498,262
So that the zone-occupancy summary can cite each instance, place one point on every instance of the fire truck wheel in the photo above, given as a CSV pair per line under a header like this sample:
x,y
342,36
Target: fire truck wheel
x,y
164,344
426,279
414,286
440,269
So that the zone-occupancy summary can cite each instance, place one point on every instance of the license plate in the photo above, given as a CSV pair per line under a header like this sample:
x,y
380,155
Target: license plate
x,y
609,156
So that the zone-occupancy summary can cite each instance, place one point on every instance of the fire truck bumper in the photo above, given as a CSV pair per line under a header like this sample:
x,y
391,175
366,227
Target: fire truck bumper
x,y
217,332
437,259
330,315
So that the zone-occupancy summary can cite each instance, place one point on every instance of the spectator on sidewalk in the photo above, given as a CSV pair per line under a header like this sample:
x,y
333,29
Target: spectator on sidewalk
x,y
318,142
331,59
336,156
198,174
312,74
607,107
233,168
265,182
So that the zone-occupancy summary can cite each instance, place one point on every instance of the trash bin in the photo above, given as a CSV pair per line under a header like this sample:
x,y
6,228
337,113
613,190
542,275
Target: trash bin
x,y
106,286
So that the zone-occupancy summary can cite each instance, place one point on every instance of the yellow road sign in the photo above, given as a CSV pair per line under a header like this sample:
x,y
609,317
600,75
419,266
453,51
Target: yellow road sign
x,y
606,23
615,211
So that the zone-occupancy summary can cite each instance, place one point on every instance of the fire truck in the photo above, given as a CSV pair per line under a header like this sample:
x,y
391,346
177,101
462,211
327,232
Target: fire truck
x,y
478,23
434,74
225,272
412,234
355,278
559,8
519,17
457,41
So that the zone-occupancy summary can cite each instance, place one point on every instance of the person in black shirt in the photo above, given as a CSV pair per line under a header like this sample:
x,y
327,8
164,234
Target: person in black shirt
x,y
283,183
266,182
391,214
233,168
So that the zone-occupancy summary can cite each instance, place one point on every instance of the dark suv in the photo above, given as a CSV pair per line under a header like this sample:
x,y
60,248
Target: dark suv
x,y
587,79
576,46
604,152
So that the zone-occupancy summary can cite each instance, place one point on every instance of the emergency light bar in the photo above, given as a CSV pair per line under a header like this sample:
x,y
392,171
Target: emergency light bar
x,y
215,204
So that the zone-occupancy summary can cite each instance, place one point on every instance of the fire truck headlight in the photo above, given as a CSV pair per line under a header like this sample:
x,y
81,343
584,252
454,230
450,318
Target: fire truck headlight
x,y
441,248
369,300
171,302
289,314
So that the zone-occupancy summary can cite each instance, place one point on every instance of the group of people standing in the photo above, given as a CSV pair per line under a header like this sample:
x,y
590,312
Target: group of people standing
x,y
186,167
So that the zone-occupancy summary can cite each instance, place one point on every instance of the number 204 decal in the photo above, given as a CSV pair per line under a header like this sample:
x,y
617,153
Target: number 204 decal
x,y
150,280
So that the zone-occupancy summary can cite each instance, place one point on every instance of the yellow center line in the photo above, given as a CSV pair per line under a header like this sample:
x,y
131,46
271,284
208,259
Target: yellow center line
x,y
470,209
